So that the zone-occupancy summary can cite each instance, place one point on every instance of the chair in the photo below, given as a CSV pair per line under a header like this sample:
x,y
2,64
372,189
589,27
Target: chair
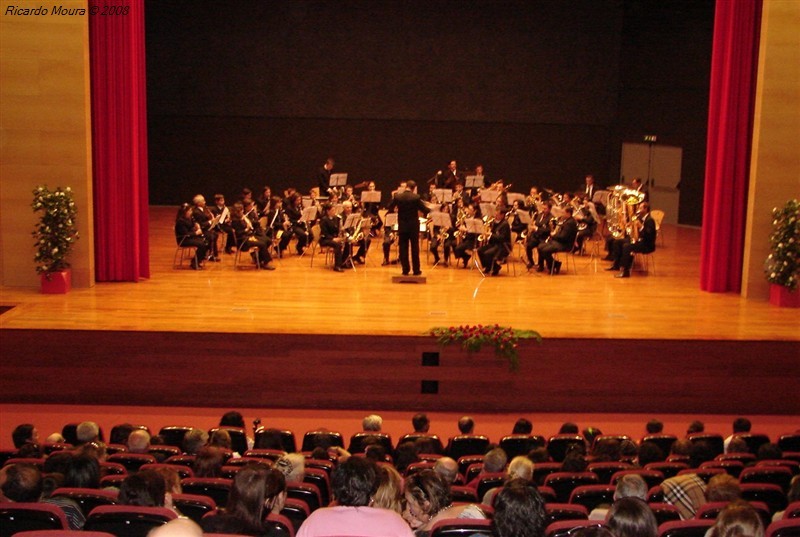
x,y
119,433
770,494
240,249
543,469
132,461
467,444
415,467
753,440
173,434
459,493
163,452
565,528
658,216
606,470
565,482
744,458
784,528
591,496
87,499
547,494
734,468
432,439
793,466
281,524
38,463
181,460
558,445
465,462
792,510
182,252
218,489
51,447
777,475
521,444
489,481
645,261
238,438
325,465
306,492
655,495
320,478
663,441
316,246
568,256
359,441
789,442
703,473
472,471
714,441
296,512
664,512
685,528
651,477
324,439
462,527
193,506
128,520
7,454
604,438
113,480
712,509
264,454
287,439
16,517
564,511
669,469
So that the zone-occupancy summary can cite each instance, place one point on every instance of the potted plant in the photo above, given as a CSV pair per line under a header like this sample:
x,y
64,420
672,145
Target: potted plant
x,y
55,234
783,264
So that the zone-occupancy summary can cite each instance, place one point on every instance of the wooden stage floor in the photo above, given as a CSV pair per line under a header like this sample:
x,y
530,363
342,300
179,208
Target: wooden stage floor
x,y
299,299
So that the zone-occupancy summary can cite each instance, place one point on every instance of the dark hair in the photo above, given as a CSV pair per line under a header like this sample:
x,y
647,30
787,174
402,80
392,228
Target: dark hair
x,y
519,510
631,517
23,483
769,451
145,488
411,185
269,439
522,426
405,454
741,425
208,462
22,434
738,518
420,422
354,482
120,433
466,425
232,419
255,485
608,450
568,428
57,462
427,486
83,472
654,426
539,454
574,462
696,426
590,433
650,452
699,453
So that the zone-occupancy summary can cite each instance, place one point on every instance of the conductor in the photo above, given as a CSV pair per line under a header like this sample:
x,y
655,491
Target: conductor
x,y
409,205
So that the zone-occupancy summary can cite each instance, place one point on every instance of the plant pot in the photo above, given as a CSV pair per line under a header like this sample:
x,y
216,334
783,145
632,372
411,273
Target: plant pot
x,y
56,283
784,298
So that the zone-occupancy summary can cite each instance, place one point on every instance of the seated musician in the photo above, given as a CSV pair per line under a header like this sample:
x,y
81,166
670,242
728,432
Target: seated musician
x,y
464,249
223,213
203,217
371,210
517,227
279,228
349,234
329,235
294,212
497,246
587,224
349,195
188,233
460,194
264,200
250,236
538,231
443,236
389,238
562,239
642,240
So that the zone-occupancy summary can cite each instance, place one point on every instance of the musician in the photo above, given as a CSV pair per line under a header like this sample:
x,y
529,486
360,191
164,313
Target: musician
x,y
223,214
587,224
203,217
460,193
246,195
636,184
279,228
532,200
464,249
429,196
251,212
409,205
329,235
645,243
389,236
249,236
346,232
451,177
498,245
517,227
371,210
562,239
589,187
323,176
264,200
538,232
188,233
485,178
294,212
350,196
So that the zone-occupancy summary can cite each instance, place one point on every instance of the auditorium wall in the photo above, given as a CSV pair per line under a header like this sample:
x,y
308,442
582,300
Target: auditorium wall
x,y
540,92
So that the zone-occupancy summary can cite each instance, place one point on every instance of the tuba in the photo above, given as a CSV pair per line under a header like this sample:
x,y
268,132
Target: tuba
x,y
621,208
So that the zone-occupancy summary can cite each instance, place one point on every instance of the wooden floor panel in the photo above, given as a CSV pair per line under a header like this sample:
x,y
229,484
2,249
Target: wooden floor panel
x,y
299,299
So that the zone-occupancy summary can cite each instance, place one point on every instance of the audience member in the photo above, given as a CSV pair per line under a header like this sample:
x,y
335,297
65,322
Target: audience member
x,y
632,517
568,428
738,445
271,439
519,510
372,423
390,490
194,440
421,423
428,501
769,451
179,527
696,426
654,426
405,454
83,471
208,462
699,453
539,454
447,469
607,451
723,488
520,468
590,433
737,519
120,434
55,438
740,425
22,483
292,466
792,496
686,492
493,463
649,452
353,485
138,441
24,433
681,447
522,426
145,488
466,425
87,431
628,486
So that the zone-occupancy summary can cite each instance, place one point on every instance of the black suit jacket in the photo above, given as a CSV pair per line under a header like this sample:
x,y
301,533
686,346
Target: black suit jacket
x,y
409,205
647,236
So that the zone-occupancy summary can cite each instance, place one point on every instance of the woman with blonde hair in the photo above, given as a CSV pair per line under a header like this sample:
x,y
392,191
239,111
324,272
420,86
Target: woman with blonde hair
x,y
390,490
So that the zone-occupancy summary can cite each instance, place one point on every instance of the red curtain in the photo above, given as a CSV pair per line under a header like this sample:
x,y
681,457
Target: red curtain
x,y
734,66
119,139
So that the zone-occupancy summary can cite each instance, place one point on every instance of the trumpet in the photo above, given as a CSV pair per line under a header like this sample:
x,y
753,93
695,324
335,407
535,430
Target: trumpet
x,y
487,230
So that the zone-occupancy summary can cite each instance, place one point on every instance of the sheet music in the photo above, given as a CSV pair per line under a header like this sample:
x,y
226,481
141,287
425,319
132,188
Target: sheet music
x,y
488,209
371,196
444,195
489,196
352,220
309,214
474,225
474,181
441,219
338,179
390,220
524,217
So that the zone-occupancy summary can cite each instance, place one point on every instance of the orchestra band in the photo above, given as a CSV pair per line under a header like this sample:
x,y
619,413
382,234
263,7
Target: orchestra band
x,y
542,223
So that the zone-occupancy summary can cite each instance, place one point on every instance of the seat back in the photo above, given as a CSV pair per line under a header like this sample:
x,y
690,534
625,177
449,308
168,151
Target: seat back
x,y
592,496
712,509
307,492
606,470
521,444
162,452
714,441
489,481
320,479
558,445
193,506
173,434
281,525
565,528
434,442
565,482
792,510
777,475
770,494
218,489
467,444
793,466
132,461
128,520
789,442
415,467
663,441
651,477
87,499
238,438
753,440
183,471
183,460
16,517
465,494
296,512
268,454
664,512
669,469
565,511
359,442
325,465
462,527
543,469
323,439
465,462
685,528
784,528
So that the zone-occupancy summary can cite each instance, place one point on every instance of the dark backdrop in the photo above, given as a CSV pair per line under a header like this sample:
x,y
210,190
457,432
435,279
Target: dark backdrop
x,y
541,92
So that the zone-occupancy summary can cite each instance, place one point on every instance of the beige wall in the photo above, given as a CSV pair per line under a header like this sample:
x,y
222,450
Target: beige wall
x,y
775,165
45,132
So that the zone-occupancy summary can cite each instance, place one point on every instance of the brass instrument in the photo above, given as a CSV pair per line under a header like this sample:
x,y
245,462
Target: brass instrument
x,y
461,217
487,230
621,209
555,227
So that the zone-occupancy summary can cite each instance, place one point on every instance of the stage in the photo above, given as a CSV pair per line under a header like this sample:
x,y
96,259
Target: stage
x,y
303,337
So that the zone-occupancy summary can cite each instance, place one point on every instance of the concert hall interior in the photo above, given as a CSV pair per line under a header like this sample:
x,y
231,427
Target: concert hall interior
x,y
247,94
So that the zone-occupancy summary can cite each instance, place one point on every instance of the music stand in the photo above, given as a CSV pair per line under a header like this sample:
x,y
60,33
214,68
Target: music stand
x,y
371,196
488,209
524,217
515,196
475,226
337,180
390,221
444,195
473,181
352,220
441,219
489,196
310,214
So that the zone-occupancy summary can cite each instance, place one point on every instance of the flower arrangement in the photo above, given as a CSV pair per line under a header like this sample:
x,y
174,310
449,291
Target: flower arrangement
x,y
783,264
56,231
504,339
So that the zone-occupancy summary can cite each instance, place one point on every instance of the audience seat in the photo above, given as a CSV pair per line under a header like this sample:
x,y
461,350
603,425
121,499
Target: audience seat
x,y
603,438
558,445
39,463
777,475
415,467
6,454
321,480
664,512
669,469
87,499
793,466
183,471
16,517
465,462
663,441
521,444
543,469
467,444
325,465
229,471
128,520
289,445
193,506
547,493
113,480
183,460
244,461
703,473
323,439
268,454
296,512
132,461
565,511
359,442
565,482
489,481
173,434
655,495
70,434
714,441
281,524
112,468
566,528
784,528
733,468
712,509
592,496
789,442
606,470
307,492
459,493
238,438
52,447
685,528
473,470
651,477
753,440
792,510
432,439
744,458
770,494
215,488
162,452
462,527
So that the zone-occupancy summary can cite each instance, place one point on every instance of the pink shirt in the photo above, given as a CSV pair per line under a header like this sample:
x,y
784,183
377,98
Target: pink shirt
x,y
342,521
